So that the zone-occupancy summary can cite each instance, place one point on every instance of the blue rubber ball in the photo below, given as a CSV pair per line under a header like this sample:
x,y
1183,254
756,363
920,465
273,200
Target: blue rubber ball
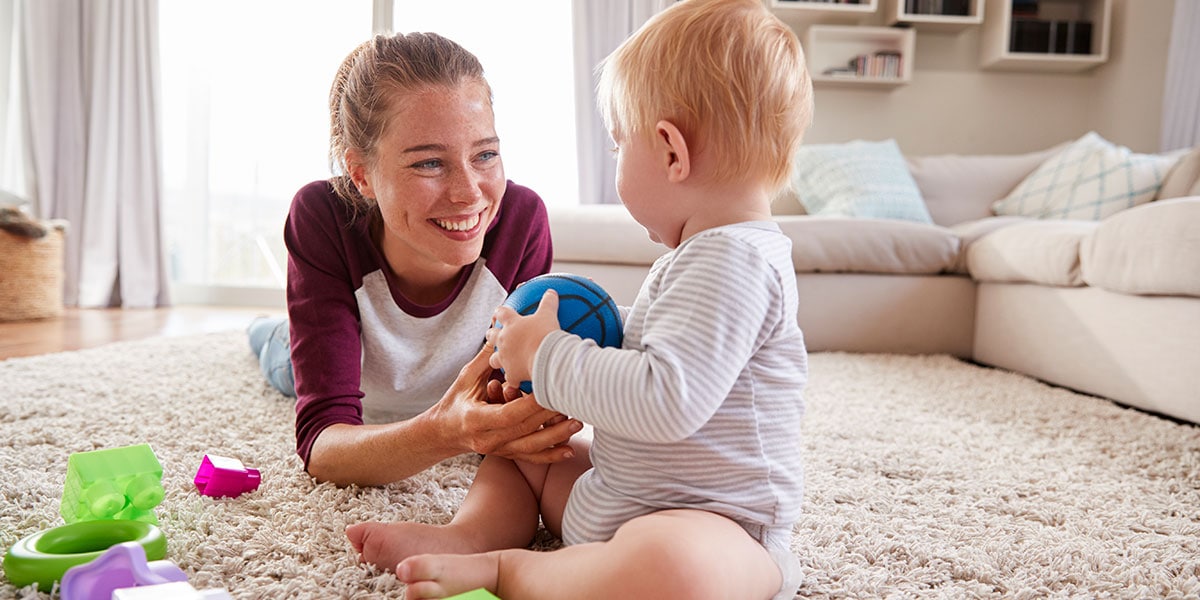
x,y
584,308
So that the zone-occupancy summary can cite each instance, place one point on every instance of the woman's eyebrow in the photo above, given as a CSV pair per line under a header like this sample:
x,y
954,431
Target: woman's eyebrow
x,y
442,147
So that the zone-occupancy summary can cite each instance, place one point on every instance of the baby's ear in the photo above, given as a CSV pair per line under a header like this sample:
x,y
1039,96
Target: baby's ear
x,y
672,142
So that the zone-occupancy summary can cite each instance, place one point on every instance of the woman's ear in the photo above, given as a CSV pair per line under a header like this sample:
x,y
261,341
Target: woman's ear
x,y
356,169
675,149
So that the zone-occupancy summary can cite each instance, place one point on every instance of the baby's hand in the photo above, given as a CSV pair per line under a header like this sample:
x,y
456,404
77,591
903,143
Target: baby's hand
x,y
516,338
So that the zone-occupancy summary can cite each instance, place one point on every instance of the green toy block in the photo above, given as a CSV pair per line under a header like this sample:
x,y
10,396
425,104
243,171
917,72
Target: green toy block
x,y
114,483
479,594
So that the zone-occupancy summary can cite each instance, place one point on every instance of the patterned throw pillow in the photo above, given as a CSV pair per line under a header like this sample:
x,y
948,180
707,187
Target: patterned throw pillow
x,y
1089,180
858,179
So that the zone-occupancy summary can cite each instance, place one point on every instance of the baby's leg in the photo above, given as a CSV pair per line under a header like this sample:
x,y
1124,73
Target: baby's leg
x,y
669,554
500,511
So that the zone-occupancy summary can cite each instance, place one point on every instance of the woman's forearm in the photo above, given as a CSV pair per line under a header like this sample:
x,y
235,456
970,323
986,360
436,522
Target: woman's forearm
x,y
369,455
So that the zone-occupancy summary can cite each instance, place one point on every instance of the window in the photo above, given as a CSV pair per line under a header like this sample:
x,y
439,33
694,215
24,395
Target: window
x,y
246,122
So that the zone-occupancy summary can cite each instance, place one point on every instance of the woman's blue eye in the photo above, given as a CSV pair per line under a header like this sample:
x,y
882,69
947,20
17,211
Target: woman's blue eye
x,y
489,155
428,164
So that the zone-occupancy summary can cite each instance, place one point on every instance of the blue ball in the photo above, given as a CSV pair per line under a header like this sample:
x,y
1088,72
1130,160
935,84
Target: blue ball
x,y
584,308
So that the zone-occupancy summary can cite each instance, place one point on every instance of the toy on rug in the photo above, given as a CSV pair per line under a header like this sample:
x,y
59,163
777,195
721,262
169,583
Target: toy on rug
x,y
121,566
584,308
177,590
108,498
114,483
219,476
478,594
44,557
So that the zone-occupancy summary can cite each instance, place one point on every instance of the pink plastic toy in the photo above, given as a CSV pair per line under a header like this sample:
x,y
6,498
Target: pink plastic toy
x,y
121,566
219,476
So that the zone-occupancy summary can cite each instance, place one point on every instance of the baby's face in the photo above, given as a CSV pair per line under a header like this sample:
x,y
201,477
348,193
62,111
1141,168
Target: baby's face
x,y
643,187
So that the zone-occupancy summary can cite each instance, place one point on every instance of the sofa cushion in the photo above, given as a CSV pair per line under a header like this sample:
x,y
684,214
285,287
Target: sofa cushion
x,y
851,245
1184,178
857,179
970,231
1042,252
1090,179
1153,249
959,188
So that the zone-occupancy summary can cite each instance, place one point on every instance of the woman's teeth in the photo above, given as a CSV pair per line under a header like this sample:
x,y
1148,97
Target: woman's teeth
x,y
463,225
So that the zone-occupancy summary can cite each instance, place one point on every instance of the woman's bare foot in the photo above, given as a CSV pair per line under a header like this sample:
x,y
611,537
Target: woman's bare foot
x,y
386,544
441,575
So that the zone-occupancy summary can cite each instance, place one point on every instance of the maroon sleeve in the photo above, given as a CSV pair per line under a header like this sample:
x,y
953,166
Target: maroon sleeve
x,y
323,272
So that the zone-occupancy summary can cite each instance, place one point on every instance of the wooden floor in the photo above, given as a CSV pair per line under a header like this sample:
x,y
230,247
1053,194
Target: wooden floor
x,y
87,328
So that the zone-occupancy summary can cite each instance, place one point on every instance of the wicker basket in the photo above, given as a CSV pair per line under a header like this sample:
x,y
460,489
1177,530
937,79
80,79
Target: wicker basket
x,y
31,276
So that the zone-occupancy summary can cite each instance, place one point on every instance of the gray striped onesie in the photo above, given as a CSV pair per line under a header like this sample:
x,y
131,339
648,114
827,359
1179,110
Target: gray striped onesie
x,y
701,406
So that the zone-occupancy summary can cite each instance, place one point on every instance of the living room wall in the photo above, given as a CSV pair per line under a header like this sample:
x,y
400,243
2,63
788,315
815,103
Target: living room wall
x,y
952,106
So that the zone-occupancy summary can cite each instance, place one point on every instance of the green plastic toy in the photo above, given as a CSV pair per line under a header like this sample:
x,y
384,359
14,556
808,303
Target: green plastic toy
x,y
114,483
479,594
43,557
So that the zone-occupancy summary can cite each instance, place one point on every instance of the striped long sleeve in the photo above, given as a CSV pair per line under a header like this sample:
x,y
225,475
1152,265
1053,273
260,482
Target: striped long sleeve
x,y
701,405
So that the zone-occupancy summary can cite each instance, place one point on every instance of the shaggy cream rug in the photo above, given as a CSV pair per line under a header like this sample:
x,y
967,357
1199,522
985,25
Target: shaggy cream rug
x,y
927,477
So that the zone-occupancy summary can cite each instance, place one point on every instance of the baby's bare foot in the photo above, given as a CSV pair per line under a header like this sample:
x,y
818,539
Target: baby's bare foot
x,y
386,544
441,575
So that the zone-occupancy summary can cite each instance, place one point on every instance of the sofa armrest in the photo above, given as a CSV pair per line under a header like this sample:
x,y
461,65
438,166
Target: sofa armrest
x,y
1151,249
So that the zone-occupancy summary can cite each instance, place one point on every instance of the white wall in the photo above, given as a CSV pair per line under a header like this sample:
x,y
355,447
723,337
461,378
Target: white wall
x,y
951,106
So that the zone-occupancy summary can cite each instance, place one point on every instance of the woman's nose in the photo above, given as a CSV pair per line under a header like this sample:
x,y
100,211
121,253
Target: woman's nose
x,y
466,187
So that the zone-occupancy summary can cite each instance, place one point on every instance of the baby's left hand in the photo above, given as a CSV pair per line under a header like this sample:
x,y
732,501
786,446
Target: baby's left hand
x,y
516,338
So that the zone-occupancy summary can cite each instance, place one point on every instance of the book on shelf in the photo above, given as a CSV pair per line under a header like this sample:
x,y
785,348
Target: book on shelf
x,y
1039,36
948,8
884,64
1024,8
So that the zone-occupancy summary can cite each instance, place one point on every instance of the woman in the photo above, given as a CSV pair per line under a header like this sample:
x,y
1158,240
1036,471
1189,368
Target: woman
x,y
394,268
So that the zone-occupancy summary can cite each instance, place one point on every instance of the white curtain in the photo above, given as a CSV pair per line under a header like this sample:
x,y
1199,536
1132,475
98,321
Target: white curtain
x,y
90,73
15,166
1181,93
600,26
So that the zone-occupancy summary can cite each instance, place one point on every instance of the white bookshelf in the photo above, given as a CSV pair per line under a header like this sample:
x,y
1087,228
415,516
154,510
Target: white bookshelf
x,y
804,12
833,46
996,36
895,12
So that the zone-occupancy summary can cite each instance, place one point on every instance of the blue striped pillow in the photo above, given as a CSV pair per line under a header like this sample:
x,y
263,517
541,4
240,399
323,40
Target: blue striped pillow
x,y
858,179
1090,180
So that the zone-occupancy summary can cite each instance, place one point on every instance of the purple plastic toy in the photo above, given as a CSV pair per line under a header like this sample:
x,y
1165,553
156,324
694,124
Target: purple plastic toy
x,y
121,566
219,476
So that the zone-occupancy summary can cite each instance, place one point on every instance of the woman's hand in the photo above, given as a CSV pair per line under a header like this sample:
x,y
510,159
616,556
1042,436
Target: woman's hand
x,y
518,429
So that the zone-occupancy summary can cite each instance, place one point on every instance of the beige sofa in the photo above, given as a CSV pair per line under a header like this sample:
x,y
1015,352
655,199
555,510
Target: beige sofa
x,y
1109,307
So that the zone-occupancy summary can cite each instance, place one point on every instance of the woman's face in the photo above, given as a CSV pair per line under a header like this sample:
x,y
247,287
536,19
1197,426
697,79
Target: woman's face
x,y
438,179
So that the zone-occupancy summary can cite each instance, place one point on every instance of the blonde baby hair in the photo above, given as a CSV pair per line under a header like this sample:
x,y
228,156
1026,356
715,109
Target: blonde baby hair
x,y
728,73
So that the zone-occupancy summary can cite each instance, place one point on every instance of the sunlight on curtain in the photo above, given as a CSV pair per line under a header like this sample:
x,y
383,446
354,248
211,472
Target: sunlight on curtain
x,y
525,48
245,89
14,166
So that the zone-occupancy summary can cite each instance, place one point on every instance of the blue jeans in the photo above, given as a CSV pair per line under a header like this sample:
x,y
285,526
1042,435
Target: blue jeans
x,y
270,341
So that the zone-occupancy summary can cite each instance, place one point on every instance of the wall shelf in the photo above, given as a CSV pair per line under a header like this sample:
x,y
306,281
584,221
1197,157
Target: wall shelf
x,y
830,48
895,13
997,37
810,11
